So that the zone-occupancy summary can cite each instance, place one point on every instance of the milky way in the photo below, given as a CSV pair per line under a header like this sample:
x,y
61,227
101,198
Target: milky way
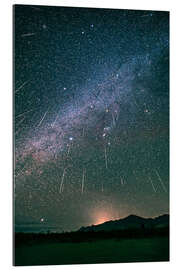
x,y
91,95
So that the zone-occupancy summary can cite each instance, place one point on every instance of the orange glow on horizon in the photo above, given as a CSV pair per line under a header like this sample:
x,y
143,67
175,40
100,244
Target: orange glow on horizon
x,y
102,216
106,213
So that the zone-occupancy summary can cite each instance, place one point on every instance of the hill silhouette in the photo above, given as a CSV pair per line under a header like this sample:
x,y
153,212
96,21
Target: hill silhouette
x,y
129,227
129,222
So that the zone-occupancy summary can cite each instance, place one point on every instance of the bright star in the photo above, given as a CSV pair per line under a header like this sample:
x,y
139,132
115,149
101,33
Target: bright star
x,y
106,128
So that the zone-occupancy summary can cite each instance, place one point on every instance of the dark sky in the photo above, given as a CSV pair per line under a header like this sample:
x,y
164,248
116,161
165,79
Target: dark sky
x,y
91,100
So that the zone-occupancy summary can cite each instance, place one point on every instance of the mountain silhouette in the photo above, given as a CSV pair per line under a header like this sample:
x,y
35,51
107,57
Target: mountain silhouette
x,y
129,222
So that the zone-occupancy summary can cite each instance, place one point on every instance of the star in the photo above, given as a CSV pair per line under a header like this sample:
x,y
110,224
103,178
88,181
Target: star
x,y
107,129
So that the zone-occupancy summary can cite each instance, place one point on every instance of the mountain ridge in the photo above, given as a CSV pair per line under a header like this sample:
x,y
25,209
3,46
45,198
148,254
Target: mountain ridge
x,y
129,222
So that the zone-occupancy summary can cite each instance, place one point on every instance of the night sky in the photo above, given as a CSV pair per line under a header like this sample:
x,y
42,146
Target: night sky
x,y
91,116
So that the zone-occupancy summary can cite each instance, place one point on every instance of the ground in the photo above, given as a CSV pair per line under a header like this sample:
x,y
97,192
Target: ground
x,y
102,251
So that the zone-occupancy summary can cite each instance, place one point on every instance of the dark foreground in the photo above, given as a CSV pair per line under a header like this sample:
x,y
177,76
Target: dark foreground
x,y
146,249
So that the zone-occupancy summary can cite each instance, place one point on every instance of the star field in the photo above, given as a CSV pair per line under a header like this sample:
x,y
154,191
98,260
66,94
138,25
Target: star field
x,y
91,118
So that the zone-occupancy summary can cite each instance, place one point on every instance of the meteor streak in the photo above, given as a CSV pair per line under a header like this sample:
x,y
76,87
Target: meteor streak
x,y
83,177
105,156
42,119
22,85
152,183
62,181
160,180
28,35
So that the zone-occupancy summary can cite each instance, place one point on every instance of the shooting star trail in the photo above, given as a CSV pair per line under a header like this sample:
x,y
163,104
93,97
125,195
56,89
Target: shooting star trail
x,y
68,151
83,177
152,183
62,188
28,35
134,174
42,118
163,186
113,119
22,120
54,121
122,181
117,115
105,156
69,146
21,171
148,15
20,87
135,102
62,181
24,113
83,132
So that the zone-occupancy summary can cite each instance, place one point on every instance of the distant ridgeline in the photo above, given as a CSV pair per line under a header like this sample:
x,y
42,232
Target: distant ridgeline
x,y
130,222
129,227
